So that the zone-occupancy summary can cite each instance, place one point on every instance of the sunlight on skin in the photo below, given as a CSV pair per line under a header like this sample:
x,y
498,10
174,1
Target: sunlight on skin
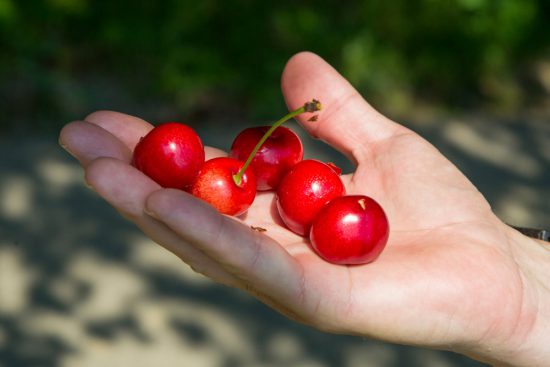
x,y
441,282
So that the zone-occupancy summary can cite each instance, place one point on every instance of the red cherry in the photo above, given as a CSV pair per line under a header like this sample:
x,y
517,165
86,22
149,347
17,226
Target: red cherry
x,y
229,184
215,184
335,168
171,154
282,150
350,230
304,190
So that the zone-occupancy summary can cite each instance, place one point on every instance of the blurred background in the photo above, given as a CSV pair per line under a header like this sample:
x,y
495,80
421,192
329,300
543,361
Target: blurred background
x,y
80,286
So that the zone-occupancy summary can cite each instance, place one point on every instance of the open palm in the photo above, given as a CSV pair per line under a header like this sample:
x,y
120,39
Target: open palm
x,y
441,281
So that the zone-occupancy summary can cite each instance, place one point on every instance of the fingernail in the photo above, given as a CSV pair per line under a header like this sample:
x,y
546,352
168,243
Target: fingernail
x,y
66,148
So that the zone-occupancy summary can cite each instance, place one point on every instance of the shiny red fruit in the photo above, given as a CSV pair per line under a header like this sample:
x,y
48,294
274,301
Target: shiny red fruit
x,y
350,230
171,154
304,190
280,152
215,185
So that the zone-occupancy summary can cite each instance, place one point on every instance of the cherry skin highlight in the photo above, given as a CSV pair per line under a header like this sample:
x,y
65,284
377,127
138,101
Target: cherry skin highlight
x,y
215,184
304,190
350,230
280,152
170,154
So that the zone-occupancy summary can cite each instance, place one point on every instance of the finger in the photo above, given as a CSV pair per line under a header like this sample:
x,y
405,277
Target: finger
x,y
129,129
126,188
87,142
210,152
260,262
346,122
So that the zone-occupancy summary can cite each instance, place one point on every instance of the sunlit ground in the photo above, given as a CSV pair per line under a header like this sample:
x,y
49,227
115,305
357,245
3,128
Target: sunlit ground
x,y
80,286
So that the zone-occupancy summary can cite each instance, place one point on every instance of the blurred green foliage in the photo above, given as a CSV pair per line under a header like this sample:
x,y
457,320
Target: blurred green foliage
x,y
60,59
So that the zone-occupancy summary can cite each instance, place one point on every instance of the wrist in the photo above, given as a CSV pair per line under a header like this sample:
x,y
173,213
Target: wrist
x,y
528,345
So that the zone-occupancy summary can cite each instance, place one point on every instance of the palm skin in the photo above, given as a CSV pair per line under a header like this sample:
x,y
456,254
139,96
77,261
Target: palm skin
x,y
450,276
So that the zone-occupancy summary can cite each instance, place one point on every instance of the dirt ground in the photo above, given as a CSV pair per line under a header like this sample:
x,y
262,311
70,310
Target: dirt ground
x,y
80,286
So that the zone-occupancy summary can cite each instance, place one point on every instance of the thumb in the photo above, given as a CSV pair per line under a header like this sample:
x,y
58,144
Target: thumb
x,y
347,122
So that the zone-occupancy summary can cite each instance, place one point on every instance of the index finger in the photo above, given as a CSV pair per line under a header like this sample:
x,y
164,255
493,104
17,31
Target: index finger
x,y
130,129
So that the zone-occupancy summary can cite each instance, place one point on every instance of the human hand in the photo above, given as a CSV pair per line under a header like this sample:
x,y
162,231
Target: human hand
x,y
452,276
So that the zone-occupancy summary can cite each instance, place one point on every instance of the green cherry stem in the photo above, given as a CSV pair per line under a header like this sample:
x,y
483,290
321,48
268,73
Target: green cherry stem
x,y
311,106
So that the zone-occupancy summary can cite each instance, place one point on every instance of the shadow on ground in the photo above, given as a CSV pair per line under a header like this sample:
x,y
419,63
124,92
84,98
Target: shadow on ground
x,y
80,286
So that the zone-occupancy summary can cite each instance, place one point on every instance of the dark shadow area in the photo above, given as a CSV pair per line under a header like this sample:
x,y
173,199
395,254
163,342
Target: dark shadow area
x,y
109,328
191,332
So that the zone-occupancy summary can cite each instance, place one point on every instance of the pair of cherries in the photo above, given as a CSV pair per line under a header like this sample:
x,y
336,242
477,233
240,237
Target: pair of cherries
x,y
310,196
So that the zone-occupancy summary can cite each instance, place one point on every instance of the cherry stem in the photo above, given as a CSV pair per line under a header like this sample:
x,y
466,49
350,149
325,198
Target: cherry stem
x,y
311,106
